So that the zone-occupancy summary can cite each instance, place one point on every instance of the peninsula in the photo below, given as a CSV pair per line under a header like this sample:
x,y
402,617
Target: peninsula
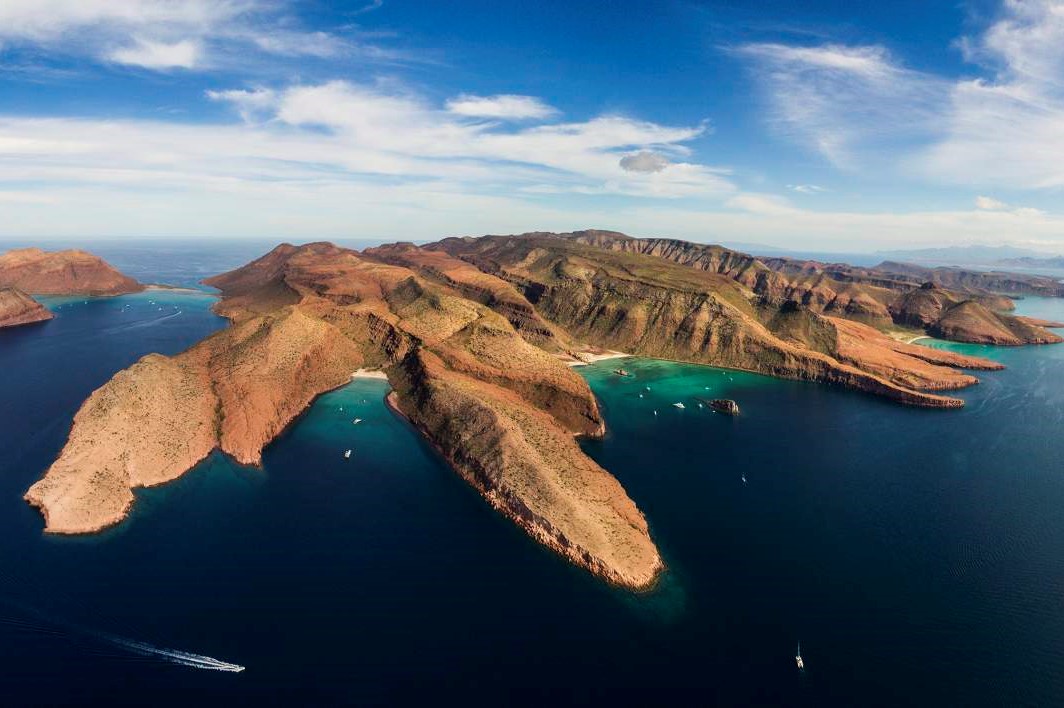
x,y
474,336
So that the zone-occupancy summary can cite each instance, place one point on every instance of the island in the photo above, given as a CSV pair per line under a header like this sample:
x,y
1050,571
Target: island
x,y
69,272
475,337
25,272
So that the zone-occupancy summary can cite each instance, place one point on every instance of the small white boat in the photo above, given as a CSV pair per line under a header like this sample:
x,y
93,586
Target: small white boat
x,y
356,421
655,412
679,405
744,479
798,658
347,455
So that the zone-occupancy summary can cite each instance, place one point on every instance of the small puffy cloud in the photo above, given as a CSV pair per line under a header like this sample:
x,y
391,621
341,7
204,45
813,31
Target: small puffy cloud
x,y
644,161
159,55
990,204
996,205
806,188
504,106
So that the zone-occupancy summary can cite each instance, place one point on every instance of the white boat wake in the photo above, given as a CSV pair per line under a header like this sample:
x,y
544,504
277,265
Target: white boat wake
x,y
51,625
184,658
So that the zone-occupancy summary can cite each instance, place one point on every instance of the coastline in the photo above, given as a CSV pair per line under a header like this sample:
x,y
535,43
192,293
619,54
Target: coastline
x,y
369,374
583,358
550,543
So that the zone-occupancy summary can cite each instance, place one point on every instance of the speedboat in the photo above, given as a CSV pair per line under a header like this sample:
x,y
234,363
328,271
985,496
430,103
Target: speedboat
x,y
798,658
679,405
356,421
347,455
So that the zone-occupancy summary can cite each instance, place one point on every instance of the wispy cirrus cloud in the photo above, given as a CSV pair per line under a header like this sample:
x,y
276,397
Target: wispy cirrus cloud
x,y
862,108
163,35
506,106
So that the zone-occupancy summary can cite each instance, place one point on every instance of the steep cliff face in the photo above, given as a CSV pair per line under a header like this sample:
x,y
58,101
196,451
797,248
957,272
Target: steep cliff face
x,y
529,468
70,272
18,308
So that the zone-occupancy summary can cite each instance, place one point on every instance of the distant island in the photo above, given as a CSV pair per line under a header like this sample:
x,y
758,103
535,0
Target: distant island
x,y
26,272
475,337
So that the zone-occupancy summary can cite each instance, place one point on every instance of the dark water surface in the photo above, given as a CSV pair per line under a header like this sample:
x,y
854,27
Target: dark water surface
x,y
917,555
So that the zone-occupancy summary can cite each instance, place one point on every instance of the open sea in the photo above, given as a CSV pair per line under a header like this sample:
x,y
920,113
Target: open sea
x,y
917,556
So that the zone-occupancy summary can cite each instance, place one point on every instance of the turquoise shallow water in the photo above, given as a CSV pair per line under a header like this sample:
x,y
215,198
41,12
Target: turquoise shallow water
x,y
917,555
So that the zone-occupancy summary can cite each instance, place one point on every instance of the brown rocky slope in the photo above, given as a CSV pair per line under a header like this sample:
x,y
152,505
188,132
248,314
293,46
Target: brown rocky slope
x,y
71,272
471,334
891,293
18,308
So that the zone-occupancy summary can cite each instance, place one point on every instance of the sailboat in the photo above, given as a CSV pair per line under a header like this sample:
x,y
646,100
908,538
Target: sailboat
x,y
798,658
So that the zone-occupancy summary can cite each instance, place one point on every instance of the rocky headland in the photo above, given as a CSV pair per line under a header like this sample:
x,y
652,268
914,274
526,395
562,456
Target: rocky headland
x,y
18,308
473,335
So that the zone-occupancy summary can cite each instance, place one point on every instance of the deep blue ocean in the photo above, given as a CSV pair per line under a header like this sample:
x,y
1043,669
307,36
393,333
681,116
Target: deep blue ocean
x,y
918,556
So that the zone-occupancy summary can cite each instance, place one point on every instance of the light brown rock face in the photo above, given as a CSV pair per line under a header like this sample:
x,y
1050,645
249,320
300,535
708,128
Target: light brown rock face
x,y
70,272
651,306
469,332
18,308
906,295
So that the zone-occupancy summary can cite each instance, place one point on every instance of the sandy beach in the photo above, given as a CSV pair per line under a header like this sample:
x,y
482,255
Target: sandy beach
x,y
369,374
584,358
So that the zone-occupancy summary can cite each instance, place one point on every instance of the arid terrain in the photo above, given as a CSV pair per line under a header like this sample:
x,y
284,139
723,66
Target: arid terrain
x,y
475,336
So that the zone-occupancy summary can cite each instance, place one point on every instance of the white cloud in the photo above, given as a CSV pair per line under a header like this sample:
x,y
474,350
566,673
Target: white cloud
x,y
165,34
644,161
158,55
806,188
989,204
249,103
504,106
862,109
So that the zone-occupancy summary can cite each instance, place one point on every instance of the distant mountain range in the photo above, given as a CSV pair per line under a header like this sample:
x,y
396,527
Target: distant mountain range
x,y
1027,262
973,255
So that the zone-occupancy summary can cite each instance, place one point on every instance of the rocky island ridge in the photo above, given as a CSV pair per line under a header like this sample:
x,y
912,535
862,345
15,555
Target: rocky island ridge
x,y
473,335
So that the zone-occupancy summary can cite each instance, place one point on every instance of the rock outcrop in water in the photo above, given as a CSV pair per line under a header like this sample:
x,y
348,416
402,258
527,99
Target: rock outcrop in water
x,y
472,334
71,272
18,308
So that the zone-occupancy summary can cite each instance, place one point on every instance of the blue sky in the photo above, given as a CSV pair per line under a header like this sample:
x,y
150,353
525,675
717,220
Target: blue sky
x,y
815,125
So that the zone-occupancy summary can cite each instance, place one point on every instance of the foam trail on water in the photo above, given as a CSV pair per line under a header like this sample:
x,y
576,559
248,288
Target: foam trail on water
x,y
184,658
